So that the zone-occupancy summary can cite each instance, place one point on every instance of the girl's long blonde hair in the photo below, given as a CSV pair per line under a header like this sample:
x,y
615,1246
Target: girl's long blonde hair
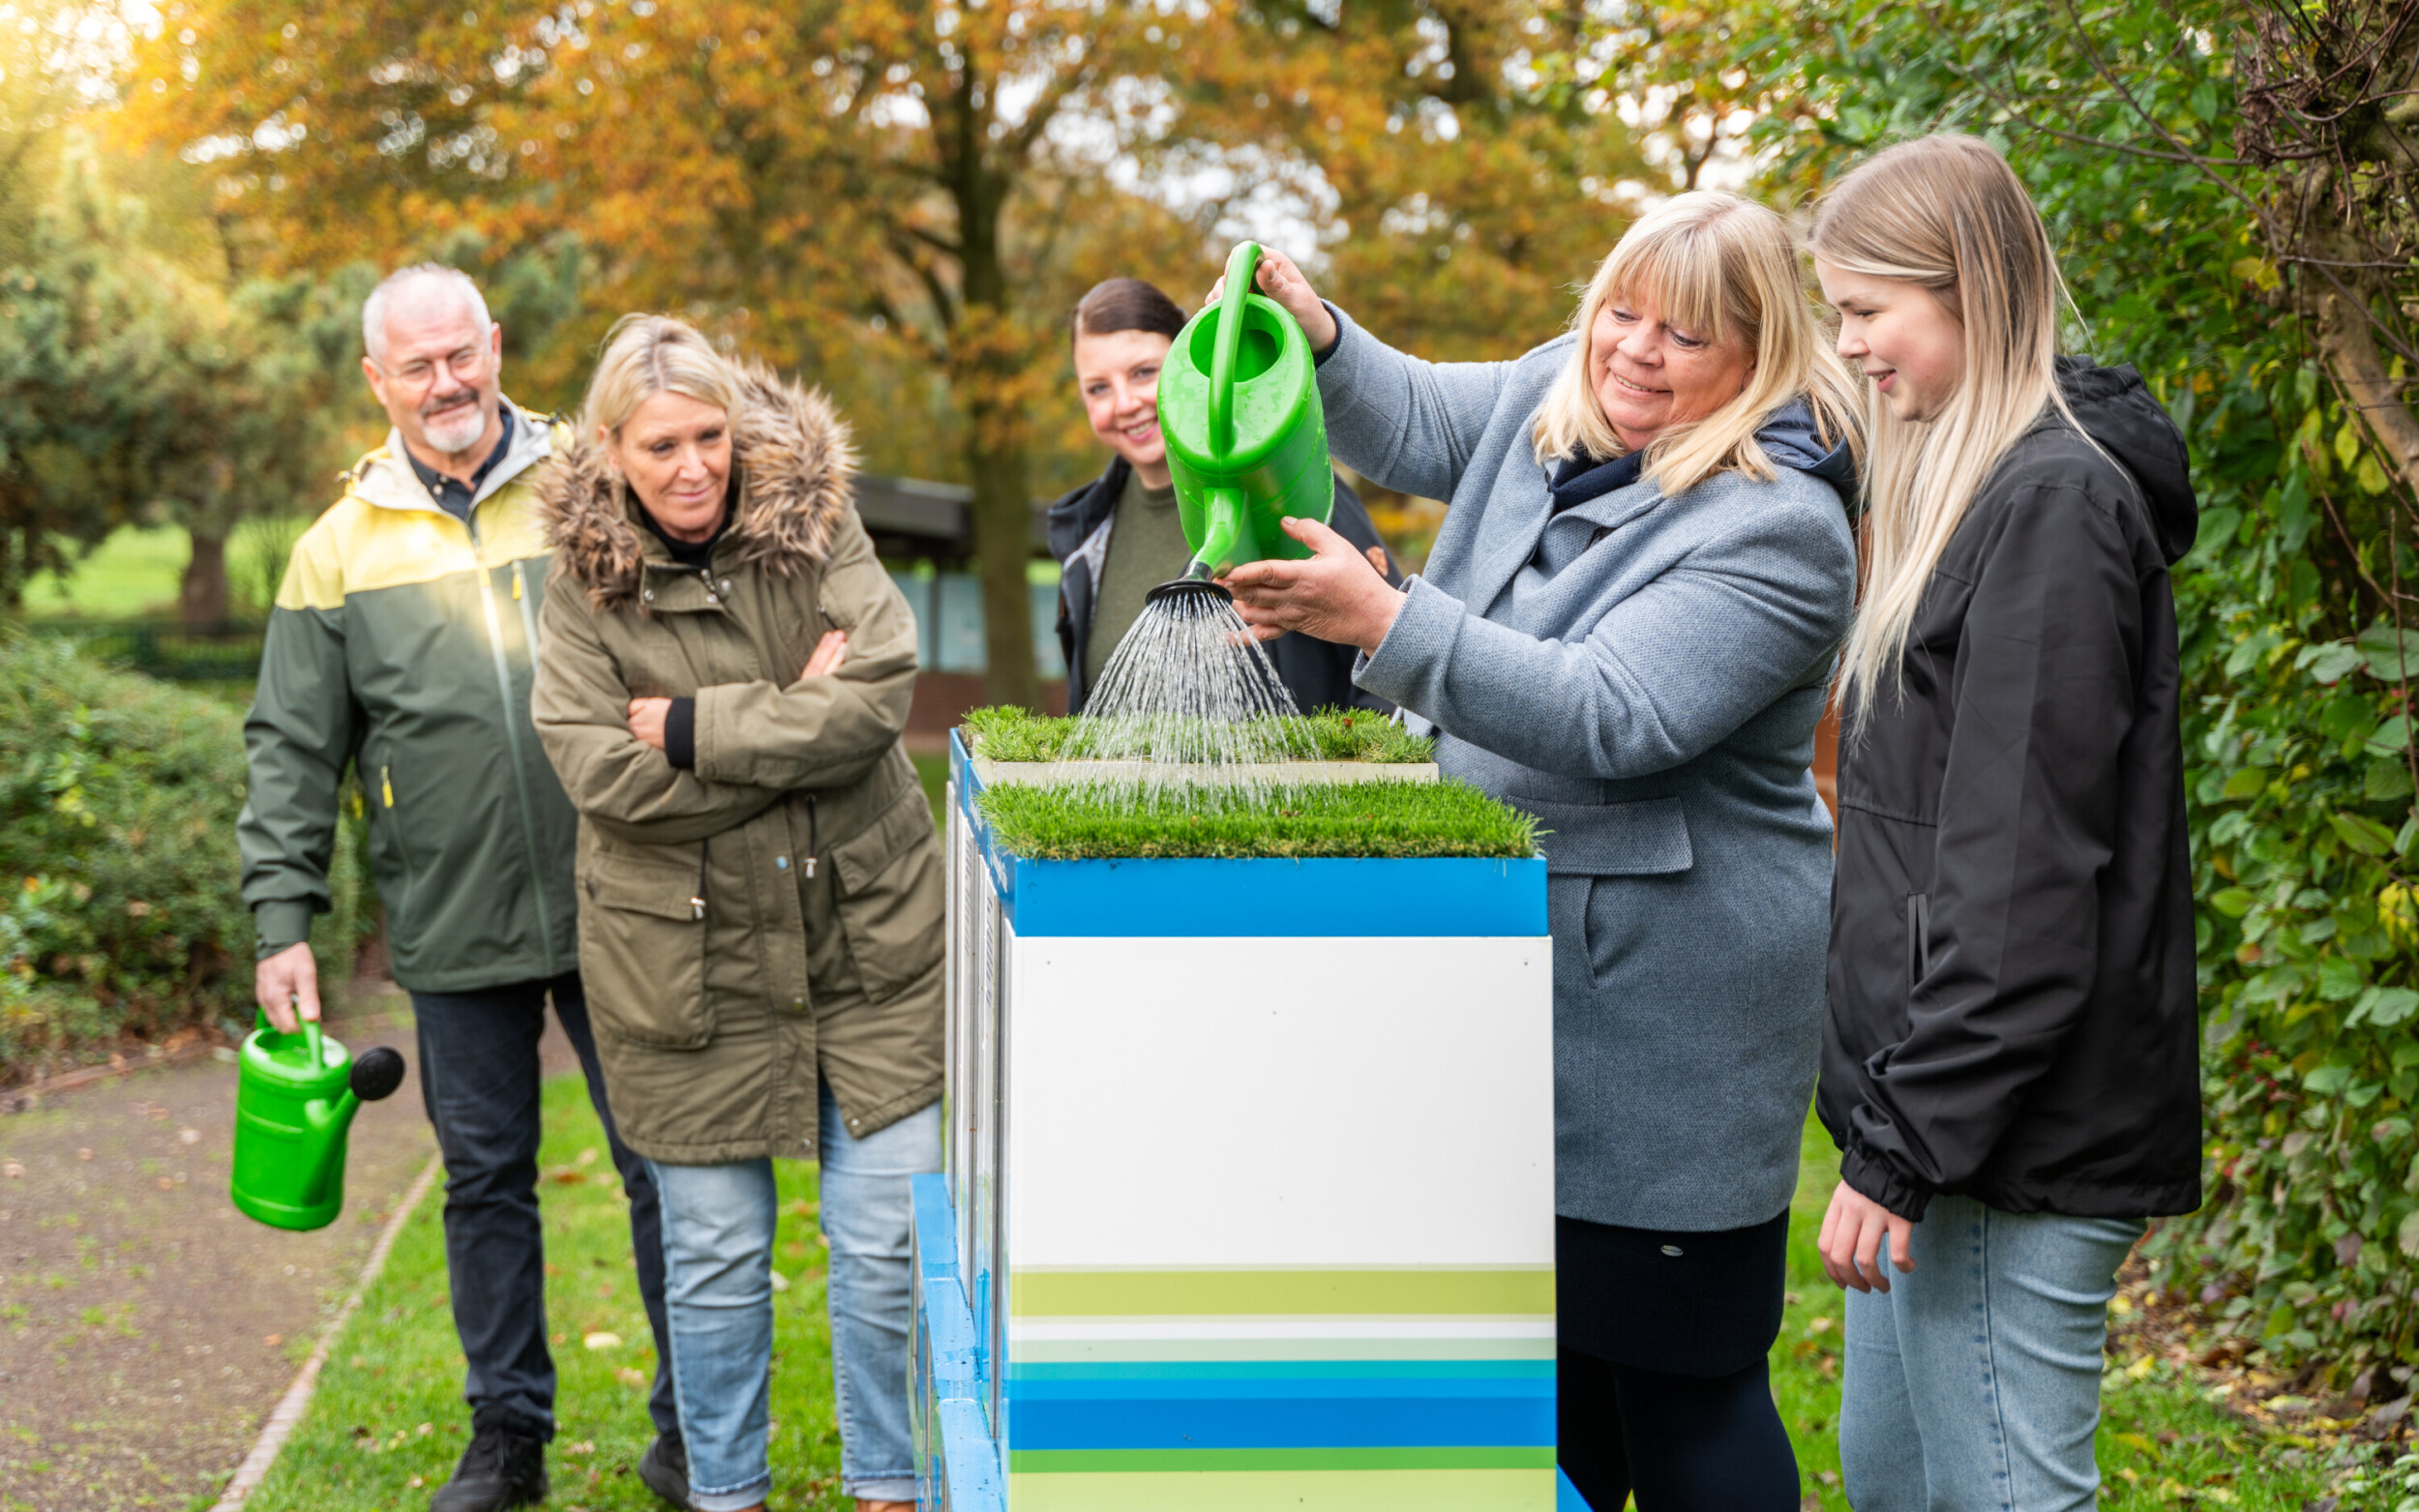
x,y
646,355
1728,267
1947,213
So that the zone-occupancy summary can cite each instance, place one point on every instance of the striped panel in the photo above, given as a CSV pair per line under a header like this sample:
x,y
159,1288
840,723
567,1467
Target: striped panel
x,y
1293,1489
1324,1292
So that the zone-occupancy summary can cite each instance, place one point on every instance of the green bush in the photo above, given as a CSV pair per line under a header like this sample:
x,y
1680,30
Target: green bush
x,y
119,912
1373,819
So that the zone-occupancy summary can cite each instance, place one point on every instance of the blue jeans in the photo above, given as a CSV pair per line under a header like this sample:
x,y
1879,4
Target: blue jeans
x,y
1974,1385
718,1248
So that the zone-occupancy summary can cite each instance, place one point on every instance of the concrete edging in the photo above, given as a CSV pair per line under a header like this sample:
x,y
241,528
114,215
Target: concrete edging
x,y
290,1407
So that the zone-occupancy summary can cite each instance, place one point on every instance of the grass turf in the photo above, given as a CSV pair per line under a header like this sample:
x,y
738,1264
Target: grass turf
x,y
389,1422
1002,733
1370,819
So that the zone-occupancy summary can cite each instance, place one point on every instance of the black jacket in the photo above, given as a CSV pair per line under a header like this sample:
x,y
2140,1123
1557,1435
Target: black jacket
x,y
2012,1003
1318,673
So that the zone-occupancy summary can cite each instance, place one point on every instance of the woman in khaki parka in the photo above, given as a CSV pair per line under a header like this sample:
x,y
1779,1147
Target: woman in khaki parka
x,y
724,672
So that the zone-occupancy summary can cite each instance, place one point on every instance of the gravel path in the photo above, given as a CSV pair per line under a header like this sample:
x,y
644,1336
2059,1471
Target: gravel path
x,y
146,1327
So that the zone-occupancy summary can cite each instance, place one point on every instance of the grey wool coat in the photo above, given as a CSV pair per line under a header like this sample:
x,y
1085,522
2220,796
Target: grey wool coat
x,y
1645,675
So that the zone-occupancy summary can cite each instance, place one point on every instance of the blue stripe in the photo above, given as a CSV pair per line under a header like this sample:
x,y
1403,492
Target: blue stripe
x,y
1285,1423
1450,897
1567,1498
1282,1370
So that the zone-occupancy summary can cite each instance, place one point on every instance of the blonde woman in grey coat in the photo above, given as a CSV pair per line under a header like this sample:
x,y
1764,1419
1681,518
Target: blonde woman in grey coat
x,y
1627,628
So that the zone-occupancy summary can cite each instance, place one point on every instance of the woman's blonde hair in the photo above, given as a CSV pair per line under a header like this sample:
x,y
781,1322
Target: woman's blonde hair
x,y
1715,263
1945,212
646,355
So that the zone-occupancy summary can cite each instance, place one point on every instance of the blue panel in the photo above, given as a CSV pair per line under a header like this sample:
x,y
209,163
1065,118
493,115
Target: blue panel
x,y
1567,1498
936,1236
1115,1371
1285,1423
970,1461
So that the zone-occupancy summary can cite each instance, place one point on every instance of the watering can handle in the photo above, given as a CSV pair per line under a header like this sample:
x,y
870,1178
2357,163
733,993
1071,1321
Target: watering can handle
x,y
310,1043
1241,264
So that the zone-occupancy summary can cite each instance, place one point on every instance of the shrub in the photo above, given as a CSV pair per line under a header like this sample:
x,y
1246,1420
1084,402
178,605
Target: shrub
x,y
119,912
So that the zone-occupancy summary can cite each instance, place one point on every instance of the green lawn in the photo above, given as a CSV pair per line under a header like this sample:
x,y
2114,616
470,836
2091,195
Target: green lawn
x,y
389,1422
134,573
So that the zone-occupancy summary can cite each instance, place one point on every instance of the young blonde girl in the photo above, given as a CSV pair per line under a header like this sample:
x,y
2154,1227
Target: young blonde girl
x,y
2010,1055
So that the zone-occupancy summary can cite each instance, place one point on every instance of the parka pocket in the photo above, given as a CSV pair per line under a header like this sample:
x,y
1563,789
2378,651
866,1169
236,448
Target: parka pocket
x,y
886,889
642,952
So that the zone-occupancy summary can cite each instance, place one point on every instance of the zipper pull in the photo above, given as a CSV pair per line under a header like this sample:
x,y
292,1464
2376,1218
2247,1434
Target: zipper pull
x,y
810,867
386,785
515,582
814,835
697,908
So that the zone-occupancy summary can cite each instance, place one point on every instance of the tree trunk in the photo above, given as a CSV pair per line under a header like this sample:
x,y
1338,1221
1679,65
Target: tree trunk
x,y
1004,535
203,598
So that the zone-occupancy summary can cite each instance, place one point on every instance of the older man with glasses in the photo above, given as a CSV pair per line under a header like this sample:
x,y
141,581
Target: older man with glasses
x,y
402,645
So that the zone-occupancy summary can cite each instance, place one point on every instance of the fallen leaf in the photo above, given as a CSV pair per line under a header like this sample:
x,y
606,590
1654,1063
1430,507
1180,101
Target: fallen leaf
x,y
272,1341
165,1183
83,1154
781,1282
584,1447
1828,1477
188,1135
631,1375
12,1171
601,1339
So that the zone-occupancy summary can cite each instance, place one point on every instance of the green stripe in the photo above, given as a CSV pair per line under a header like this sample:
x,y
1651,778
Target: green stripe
x,y
1413,1456
1094,1350
1289,1490
1126,1294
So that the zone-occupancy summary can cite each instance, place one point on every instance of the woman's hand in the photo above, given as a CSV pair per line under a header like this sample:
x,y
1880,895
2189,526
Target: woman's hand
x,y
1336,595
1851,1240
646,720
1282,282
829,653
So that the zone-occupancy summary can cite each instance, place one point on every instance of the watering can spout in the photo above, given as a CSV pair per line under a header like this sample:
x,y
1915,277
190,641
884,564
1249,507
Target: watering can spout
x,y
1223,513
328,1121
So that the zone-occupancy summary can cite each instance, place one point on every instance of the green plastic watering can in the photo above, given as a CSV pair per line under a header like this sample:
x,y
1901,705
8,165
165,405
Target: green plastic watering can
x,y
1247,440
295,1098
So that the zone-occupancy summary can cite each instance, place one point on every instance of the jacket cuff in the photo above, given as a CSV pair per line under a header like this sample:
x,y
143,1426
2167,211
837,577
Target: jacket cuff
x,y
1875,1178
280,924
1342,325
680,734
1417,642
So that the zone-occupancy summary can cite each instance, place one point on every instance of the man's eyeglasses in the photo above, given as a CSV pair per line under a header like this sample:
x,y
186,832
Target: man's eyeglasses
x,y
465,364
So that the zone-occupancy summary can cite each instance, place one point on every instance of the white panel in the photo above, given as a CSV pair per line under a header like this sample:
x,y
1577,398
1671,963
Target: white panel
x,y
1286,1101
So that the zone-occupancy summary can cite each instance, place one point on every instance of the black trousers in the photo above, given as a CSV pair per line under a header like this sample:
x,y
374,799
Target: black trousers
x,y
479,1079
1680,1443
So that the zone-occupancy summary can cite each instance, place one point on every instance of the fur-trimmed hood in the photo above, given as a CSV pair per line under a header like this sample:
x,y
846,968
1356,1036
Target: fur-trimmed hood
x,y
792,463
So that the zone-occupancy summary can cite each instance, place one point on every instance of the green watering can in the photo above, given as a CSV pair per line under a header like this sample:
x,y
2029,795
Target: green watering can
x,y
294,1100
1247,440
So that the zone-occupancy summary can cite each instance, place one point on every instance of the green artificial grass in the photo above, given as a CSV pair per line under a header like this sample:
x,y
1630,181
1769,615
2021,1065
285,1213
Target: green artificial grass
x,y
388,1422
1002,733
1372,820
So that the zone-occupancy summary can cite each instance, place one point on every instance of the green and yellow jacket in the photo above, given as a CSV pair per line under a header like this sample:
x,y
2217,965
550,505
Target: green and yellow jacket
x,y
400,643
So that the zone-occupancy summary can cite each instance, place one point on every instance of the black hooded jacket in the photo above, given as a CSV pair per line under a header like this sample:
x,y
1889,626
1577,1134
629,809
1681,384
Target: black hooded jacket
x,y
1318,673
2012,995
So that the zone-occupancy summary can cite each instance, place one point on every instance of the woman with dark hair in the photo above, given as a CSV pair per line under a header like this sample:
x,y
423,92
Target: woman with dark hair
x,y
1117,536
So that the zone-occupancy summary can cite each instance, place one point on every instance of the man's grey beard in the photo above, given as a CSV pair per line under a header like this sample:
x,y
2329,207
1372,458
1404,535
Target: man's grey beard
x,y
451,435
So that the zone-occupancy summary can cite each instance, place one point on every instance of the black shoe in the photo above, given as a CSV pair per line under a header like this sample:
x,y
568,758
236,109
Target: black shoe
x,y
501,1468
665,1468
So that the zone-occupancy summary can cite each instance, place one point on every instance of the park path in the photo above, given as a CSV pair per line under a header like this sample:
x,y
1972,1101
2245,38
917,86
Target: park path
x,y
146,1327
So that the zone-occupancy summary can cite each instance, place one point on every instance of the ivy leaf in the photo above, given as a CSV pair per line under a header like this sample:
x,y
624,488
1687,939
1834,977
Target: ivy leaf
x,y
2364,835
2391,736
2246,783
2347,444
2391,654
2369,475
2407,1236
2393,1005
2327,1081
2339,979
2327,661
2233,901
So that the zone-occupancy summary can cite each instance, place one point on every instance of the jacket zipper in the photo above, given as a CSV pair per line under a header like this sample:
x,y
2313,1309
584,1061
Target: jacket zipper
x,y
813,836
511,730
697,900
386,784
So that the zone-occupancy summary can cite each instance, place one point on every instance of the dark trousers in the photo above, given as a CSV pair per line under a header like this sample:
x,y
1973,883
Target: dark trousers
x,y
1682,1443
479,1077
